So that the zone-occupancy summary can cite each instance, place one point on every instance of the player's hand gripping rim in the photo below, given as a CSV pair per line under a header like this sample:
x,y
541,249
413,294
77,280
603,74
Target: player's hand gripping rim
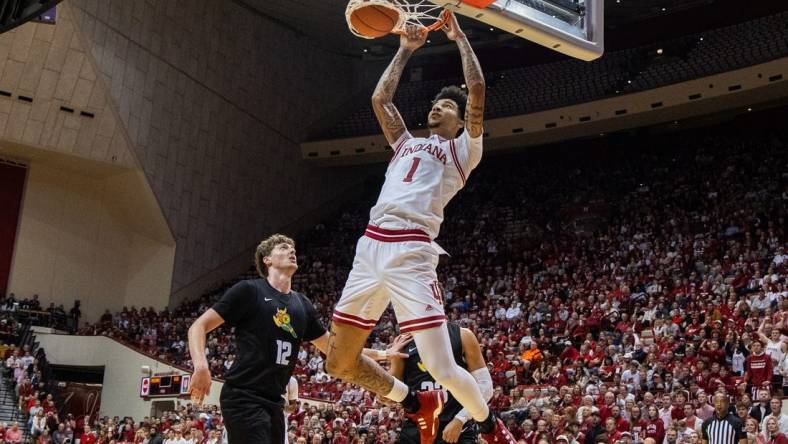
x,y
413,36
451,27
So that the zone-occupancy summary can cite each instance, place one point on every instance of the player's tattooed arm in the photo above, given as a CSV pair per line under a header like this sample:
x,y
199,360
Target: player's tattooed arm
x,y
474,78
474,110
383,98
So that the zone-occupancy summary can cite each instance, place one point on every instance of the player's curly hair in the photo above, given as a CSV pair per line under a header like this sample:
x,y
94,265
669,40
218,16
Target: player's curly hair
x,y
265,248
456,94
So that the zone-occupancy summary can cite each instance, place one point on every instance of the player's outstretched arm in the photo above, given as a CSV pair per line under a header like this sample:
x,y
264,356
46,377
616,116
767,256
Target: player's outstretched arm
x,y
474,78
383,98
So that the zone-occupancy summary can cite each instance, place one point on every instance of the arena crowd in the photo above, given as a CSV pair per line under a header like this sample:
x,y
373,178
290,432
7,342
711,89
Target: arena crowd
x,y
615,291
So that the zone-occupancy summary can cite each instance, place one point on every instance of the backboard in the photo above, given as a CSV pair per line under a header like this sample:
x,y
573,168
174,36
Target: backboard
x,y
572,27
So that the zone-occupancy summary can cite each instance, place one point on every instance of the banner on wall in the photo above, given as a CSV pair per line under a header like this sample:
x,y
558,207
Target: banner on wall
x,y
80,399
12,187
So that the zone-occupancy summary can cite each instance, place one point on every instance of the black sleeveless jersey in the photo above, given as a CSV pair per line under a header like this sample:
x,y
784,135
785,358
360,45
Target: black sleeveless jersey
x,y
417,378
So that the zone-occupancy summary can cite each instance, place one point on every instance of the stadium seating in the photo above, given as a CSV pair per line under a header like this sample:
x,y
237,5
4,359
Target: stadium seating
x,y
542,87
621,266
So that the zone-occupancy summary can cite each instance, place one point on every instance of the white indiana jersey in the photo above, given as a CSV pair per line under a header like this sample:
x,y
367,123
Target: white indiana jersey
x,y
422,177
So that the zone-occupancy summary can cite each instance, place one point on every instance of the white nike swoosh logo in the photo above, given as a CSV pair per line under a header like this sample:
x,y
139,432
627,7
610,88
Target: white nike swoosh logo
x,y
268,300
410,350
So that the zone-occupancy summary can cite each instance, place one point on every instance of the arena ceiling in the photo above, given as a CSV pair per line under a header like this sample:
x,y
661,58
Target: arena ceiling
x,y
324,20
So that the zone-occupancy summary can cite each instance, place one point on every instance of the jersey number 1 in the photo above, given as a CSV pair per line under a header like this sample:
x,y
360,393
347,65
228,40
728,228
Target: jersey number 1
x,y
283,351
409,177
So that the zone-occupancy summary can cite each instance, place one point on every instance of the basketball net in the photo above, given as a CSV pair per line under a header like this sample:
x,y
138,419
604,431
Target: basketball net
x,y
415,12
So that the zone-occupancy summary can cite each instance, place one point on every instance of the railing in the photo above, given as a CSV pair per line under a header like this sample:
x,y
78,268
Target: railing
x,y
25,336
27,339
58,321
21,337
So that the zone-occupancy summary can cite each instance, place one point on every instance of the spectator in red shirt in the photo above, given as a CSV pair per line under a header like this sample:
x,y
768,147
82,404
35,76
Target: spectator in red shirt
x,y
711,350
499,401
773,435
613,434
500,366
757,368
622,424
49,404
128,433
677,410
570,353
606,407
637,423
87,437
624,324
694,326
655,428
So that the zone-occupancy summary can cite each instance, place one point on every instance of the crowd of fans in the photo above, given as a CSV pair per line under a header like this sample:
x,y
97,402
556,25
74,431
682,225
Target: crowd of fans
x,y
23,376
29,310
614,291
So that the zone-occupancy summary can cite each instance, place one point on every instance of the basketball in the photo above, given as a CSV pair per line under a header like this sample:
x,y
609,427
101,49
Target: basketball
x,y
374,21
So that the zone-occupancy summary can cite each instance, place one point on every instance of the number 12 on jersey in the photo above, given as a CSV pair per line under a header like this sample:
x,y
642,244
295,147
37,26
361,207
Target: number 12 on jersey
x,y
283,351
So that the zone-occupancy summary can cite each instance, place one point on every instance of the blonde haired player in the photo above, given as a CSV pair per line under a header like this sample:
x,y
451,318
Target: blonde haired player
x,y
396,258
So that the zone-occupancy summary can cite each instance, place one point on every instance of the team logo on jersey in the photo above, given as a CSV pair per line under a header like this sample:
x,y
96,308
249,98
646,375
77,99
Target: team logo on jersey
x,y
282,320
421,367
435,150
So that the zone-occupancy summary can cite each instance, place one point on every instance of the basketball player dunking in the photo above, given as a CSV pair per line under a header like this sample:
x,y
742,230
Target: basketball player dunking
x,y
396,258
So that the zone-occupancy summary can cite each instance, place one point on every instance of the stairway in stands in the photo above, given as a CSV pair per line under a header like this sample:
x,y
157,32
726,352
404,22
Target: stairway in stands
x,y
9,411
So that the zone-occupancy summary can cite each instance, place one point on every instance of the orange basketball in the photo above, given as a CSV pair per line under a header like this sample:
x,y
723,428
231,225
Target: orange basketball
x,y
374,20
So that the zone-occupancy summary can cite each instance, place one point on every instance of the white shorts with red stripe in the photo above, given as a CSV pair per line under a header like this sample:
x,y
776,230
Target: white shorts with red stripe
x,y
396,266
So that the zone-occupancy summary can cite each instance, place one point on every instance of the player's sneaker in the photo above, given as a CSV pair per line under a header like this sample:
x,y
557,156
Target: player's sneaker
x,y
499,435
426,417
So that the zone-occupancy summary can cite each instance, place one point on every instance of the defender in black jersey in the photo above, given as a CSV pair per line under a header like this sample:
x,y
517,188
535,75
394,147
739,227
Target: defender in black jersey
x,y
456,425
271,321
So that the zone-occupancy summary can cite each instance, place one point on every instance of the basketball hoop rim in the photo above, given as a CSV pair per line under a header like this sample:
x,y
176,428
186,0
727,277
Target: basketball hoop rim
x,y
401,7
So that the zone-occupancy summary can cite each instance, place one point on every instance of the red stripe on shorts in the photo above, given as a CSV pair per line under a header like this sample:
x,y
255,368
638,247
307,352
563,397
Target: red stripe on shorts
x,y
349,319
380,238
389,232
339,320
422,320
421,326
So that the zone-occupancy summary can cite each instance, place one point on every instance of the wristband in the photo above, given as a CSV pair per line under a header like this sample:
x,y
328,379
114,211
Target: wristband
x,y
461,417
